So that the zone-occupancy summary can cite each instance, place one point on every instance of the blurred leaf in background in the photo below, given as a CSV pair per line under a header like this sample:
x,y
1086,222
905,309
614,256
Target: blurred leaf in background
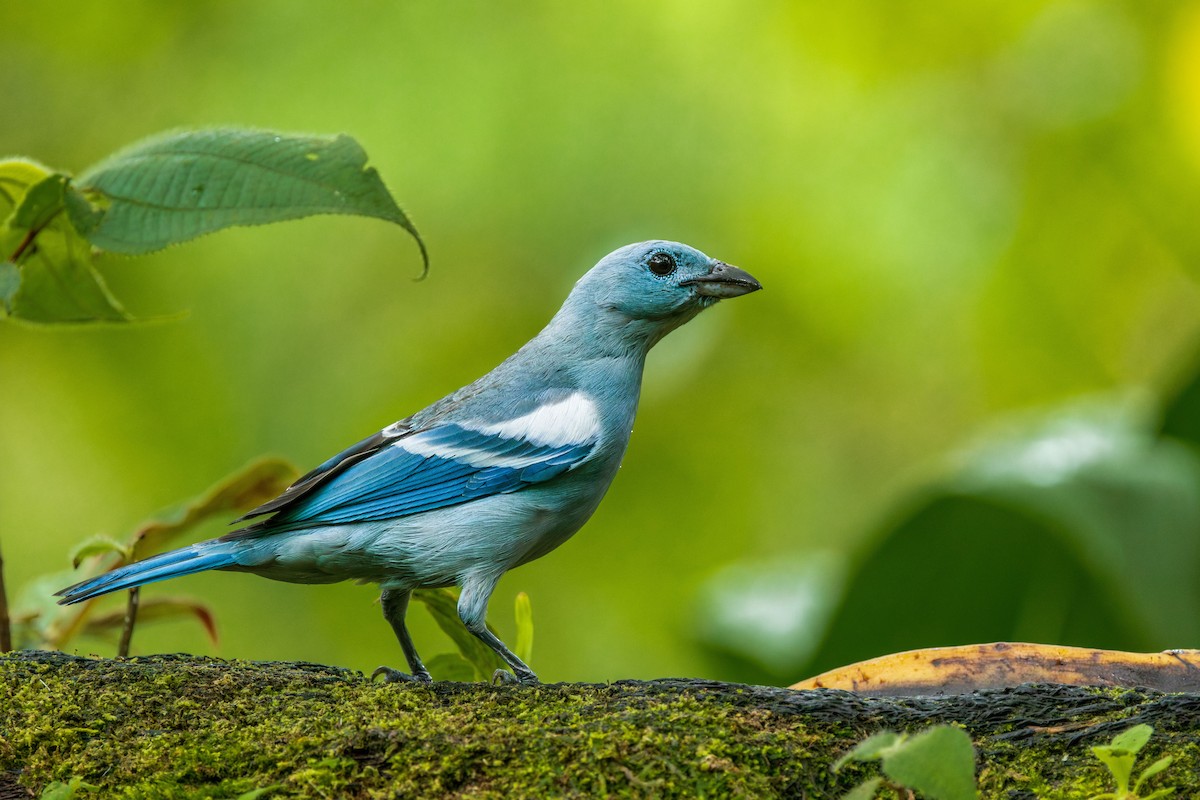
x,y
963,213
1076,527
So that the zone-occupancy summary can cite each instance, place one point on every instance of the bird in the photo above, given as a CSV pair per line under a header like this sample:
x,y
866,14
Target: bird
x,y
490,477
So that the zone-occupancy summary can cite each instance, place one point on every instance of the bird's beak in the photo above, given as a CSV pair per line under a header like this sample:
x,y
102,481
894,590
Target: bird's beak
x,y
724,281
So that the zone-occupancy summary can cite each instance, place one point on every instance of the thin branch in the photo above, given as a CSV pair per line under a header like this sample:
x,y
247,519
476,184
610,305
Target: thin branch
x,y
5,626
131,609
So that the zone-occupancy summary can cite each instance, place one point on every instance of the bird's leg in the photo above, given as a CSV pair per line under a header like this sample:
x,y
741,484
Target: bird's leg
x,y
472,610
395,605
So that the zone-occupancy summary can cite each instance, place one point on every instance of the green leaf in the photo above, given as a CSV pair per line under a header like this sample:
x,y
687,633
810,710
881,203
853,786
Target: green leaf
x,y
1133,739
938,763
254,794
524,614
249,487
57,790
97,545
1152,770
870,749
865,790
443,606
84,214
55,280
171,188
1119,762
1160,793
451,667
41,203
60,283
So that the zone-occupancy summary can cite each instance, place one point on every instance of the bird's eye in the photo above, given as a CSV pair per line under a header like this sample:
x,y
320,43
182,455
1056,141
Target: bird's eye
x,y
661,264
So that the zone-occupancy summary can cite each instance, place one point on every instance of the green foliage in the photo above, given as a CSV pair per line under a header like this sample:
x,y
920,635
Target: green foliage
x,y
1074,527
254,484
162,191
524,615
60,790
474,661
443,607
1119,757
48,273
41,622
1181,417
939,763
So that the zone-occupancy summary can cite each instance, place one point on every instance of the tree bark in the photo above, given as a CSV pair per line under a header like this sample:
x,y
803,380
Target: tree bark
x,y
183,726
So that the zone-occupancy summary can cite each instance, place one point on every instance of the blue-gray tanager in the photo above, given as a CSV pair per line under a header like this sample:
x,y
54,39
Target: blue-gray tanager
x,y
488,478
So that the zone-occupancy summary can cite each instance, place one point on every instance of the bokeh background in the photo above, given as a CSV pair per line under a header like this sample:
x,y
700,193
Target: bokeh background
x,y
964,214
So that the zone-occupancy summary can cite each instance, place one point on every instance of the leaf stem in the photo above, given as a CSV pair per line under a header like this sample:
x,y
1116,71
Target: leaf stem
x,y
30,235
131,610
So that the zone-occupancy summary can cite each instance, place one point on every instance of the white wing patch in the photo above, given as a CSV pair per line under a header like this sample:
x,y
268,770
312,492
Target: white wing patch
x,y
572,420
476,457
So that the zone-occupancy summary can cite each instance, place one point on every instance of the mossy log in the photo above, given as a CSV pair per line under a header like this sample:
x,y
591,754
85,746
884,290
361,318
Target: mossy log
x,y
188,727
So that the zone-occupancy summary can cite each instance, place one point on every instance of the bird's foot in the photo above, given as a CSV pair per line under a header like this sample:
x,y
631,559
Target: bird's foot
x,y
396,676
502,677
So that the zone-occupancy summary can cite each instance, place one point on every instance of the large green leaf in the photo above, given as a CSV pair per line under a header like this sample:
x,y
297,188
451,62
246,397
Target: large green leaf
x,y
171,188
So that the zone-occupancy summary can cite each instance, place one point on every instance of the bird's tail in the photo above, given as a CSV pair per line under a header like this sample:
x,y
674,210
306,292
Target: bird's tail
x,y
184,561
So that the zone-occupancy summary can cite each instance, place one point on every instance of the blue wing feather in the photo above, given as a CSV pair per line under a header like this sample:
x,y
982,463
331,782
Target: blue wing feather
x,y
417,472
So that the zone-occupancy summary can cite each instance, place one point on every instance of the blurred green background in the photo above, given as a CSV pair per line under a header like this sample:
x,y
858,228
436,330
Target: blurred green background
x,y
960,212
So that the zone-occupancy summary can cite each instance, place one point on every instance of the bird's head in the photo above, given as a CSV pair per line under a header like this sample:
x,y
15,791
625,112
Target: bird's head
x,y
648,289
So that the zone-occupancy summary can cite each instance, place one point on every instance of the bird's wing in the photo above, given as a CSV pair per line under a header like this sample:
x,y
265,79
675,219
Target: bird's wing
x,y
401,471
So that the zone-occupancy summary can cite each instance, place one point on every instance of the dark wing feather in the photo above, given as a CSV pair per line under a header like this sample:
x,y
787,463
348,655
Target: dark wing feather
x,y
330,469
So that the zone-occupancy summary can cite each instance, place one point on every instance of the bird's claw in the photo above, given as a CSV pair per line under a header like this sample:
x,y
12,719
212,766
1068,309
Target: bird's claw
x,y
396,676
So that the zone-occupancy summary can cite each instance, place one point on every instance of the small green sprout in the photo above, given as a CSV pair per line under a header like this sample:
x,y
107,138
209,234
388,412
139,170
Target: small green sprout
x,y
474,660
1119,756
58,790
938,762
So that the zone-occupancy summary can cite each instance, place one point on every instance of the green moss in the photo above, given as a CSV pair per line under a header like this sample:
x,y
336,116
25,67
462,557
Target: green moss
x,y
182,727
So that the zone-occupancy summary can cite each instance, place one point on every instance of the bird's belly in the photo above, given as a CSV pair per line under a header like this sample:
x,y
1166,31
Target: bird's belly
x,y
436,548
